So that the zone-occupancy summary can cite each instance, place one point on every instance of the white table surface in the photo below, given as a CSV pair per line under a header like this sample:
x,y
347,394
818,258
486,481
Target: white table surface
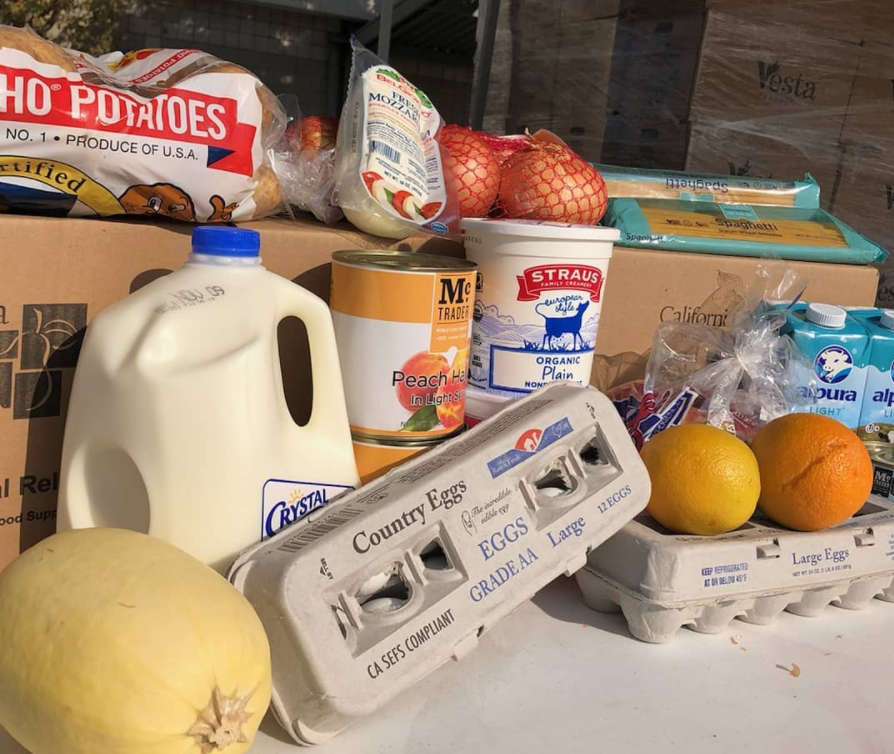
x,y
558,678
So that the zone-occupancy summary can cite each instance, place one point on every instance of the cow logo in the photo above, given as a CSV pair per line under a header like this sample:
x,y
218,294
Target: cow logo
x,y
833,364
558,326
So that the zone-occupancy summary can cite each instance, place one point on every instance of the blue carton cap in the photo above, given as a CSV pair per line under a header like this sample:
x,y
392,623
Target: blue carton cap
x,y
223,241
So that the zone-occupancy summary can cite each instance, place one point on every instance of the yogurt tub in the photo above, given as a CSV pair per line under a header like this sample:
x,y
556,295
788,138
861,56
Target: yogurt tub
x,y
538,298
481,405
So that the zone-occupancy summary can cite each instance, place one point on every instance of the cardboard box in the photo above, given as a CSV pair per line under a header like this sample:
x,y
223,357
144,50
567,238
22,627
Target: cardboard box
x,y
57,274
872,92
864,194
610,71
645,288
781,148
561,67
852,20
865,201
751,69
652,69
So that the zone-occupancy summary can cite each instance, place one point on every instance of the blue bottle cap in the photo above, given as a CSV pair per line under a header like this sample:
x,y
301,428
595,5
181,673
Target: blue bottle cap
x,y
223,241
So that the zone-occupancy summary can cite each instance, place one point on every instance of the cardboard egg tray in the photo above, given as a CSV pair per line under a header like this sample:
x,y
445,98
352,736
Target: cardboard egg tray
x,y
662,581
393,580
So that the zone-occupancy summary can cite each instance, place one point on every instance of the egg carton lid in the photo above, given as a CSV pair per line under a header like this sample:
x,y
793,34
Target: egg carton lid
x,y
388,582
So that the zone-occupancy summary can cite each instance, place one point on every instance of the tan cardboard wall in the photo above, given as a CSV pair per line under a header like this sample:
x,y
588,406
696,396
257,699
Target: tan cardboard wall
x,y
58,273
645,288
786,149
752,69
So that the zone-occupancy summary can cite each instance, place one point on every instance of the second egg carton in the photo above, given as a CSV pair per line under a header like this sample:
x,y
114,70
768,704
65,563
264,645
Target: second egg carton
x,y
663,581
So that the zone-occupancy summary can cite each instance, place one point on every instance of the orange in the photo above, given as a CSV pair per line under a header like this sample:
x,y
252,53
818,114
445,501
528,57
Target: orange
x,y
704,480
815,472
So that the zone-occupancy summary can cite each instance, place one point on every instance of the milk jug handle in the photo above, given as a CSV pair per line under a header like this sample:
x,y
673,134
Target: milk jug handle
x,y
328,414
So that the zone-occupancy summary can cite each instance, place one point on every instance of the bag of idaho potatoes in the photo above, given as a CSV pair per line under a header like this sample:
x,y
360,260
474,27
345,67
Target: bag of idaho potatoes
x,y
163,133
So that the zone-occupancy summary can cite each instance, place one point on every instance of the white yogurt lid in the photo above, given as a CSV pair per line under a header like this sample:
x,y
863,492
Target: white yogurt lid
x,y
482,405
887,319
540,229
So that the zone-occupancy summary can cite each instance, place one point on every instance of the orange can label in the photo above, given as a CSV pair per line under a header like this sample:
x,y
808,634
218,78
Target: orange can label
x,y
375,460
403,344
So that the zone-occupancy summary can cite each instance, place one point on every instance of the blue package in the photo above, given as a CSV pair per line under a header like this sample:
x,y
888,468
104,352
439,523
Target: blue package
x,y
793,233
638,183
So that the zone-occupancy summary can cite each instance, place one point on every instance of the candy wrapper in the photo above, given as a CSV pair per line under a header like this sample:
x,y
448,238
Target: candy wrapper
x,y
737,378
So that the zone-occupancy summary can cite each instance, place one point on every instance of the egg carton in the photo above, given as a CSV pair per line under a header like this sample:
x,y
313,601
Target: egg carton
x,y
663,581
389,582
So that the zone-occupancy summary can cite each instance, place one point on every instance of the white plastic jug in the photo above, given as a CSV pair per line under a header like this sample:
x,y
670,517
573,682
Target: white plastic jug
x,y
178,425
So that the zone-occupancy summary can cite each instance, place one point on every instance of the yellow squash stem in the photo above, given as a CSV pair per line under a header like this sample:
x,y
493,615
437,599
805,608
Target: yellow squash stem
x,y
220,723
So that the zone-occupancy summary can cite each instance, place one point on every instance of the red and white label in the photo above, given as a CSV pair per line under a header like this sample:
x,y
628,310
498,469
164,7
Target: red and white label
x,y
529,441
177,115
554,277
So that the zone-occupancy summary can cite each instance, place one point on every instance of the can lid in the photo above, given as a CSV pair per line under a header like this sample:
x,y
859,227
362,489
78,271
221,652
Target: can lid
x,y
403,261
223,241
399,443
540,229
826,315
887,319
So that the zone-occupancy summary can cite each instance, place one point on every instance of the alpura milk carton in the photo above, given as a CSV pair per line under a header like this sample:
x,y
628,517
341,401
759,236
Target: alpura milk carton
x,y
837,346
877,414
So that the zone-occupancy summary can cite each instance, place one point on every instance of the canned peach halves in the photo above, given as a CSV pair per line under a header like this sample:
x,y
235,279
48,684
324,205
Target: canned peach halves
x,y
402,323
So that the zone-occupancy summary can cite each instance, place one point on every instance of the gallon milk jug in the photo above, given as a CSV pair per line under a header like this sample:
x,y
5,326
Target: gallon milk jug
x,y
178,425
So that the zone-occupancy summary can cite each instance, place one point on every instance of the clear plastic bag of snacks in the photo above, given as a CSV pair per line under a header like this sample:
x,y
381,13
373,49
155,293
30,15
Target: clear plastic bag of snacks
x,y
737,378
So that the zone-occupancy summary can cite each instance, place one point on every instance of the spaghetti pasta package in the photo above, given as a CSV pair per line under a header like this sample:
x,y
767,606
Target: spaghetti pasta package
x,y
636,183
162,133
807,235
